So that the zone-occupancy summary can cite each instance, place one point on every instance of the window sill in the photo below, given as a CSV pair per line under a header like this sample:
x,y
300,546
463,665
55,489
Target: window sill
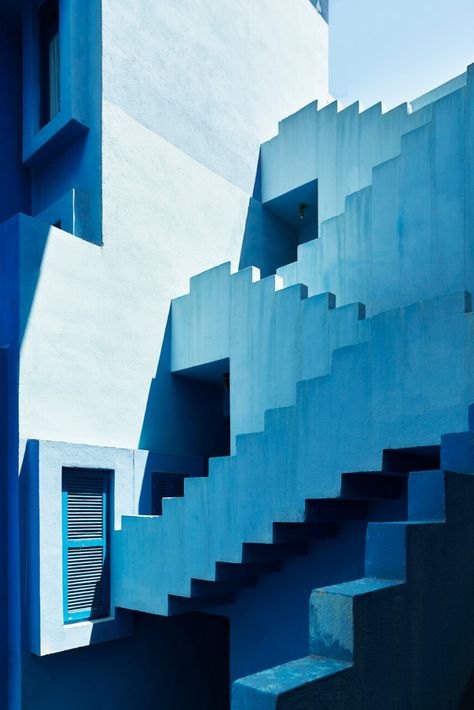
x,y
54,137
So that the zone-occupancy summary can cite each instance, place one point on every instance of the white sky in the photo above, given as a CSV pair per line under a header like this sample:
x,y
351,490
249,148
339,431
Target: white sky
x,y
394,51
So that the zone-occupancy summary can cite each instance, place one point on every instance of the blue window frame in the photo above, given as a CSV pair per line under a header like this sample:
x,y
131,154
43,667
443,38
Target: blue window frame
x,y
85,503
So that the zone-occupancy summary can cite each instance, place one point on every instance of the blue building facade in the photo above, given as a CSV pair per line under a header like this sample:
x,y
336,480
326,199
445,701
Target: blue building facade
x,y
257,494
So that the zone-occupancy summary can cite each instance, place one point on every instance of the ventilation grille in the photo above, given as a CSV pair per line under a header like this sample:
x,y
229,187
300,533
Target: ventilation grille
x,y
165,485
85,507
85,584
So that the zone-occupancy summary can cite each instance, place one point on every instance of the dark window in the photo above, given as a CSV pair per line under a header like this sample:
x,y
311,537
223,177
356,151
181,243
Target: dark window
x,y
49,61
85,501
165,485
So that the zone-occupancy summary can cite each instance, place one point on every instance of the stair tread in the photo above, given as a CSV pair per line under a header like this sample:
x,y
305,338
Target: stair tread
x,y
178,604
408,523
245,569
359,587
293,674
204,587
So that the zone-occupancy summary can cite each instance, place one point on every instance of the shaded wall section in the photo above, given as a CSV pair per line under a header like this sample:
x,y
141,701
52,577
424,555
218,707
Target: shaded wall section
x,y
14,179
221,78
3,528
57,168
171,664
9,494
269,622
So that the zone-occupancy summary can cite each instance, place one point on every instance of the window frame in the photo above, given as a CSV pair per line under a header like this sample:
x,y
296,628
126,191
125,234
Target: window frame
x,y
49,28
42,142
89,614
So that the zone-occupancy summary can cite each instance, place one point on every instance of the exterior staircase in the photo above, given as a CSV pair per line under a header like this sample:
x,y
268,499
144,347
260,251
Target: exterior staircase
x,y
403,635
391,187
399,188
252,508
317,391
364,496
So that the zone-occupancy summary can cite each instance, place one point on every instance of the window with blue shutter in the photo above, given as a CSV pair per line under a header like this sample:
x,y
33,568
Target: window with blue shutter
x,y
85,501
165,485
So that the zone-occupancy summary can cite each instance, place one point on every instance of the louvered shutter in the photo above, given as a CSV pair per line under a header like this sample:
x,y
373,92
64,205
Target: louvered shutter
x,y
85,534
165,485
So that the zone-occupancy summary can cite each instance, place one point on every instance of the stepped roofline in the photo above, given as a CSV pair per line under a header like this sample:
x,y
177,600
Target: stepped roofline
x,y
439,92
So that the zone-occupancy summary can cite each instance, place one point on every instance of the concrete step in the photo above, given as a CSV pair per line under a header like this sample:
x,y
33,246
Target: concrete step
x,y
201,588
362,632
266,552
235,571
303,532
335,509
293,685
372,485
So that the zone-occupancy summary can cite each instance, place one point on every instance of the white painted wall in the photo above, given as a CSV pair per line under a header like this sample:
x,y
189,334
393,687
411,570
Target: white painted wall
x,y
214,77
94,333
190,89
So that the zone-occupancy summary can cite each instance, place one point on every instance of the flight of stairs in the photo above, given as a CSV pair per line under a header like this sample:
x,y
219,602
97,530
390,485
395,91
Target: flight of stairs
x,y
390,186
364,496
402,637
393,186
371,402
318,390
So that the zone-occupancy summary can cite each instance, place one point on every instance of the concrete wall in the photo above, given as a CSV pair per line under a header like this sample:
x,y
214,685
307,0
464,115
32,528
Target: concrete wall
x,y
14,179
272,338
388,247
94,320
390,244
10,549
65,153
404,387
380,640
173,664
94,338
268,623
340,147
214,80
42,463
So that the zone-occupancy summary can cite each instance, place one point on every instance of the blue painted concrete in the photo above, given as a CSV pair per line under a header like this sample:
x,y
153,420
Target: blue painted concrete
x,y
10,549
65,153
268,623
180,663
378,641
406,398
374,228
236,73
385,246
42,566
14,178
315,390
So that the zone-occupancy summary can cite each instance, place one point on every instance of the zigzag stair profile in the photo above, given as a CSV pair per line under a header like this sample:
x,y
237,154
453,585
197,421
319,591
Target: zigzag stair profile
x,y
402,636
351,133
271,344
228,519
370,250
364,496
366,208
